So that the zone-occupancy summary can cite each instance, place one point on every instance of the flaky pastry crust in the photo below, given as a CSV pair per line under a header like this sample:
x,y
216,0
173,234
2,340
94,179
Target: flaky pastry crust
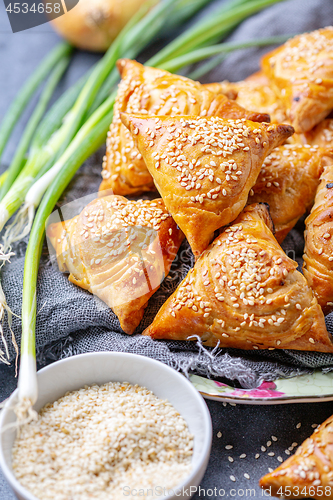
x,y
318,251
204,168
153,91
301,72
120,251
321,135
244,292
288,181
309,471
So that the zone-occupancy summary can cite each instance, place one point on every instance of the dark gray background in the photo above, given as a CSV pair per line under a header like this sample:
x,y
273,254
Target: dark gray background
x,y
247,428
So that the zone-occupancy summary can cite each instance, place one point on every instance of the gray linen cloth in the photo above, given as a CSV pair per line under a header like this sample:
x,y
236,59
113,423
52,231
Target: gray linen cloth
x,y
71,321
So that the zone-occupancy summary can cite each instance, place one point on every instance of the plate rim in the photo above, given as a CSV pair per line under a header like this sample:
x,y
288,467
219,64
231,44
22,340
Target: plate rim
x,y
269,400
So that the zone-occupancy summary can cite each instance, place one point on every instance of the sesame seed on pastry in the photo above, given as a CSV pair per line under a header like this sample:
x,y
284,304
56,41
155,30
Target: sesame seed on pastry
x,y
204,168
244,292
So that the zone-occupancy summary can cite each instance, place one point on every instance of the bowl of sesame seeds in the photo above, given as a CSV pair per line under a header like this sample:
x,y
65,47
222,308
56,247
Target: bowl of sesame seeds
x,y
109,425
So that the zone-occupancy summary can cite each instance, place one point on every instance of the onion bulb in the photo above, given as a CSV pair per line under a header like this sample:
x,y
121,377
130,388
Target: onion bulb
x,y
94,24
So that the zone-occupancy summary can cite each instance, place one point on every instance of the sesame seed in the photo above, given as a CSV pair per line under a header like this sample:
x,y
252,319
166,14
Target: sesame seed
x,y
76,433
246,475
233,478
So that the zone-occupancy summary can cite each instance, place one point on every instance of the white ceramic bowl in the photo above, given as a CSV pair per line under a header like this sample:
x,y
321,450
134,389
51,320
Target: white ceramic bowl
x,y
75,372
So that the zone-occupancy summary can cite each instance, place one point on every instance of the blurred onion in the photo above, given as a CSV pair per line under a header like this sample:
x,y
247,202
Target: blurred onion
x,y
94,24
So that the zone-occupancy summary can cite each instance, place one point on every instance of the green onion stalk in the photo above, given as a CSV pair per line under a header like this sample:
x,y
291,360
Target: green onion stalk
x,y
208,31
24,218
19,156
27,385
224,48
3,178
27,91
17,163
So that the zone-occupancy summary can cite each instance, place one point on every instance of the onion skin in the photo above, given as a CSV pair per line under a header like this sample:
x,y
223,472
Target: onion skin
x,y
94,24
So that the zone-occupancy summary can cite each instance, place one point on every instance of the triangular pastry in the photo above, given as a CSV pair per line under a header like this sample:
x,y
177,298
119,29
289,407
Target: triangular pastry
x,y
288,181
120,251
204,168
244,292
318,251
301,72
153,91
308,473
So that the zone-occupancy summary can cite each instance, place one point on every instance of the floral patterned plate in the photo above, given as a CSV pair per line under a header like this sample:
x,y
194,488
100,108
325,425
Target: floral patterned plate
x,y
311,388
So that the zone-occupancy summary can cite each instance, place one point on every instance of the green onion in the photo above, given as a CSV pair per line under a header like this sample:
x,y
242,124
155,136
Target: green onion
x,y
22,223
18,160
19,104
3,178
55,116
27,380
223,48
183,11
204,32
37,190
205,68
